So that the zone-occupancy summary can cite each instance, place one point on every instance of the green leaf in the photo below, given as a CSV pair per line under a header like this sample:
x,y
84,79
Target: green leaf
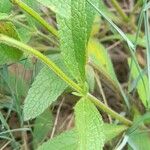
x,y
138,135
98,55
141,84
64,141
8,53
139,121
89,126
5,6
43,124
46,88
69,139
58,8
139,140
96,26
112,130
74,31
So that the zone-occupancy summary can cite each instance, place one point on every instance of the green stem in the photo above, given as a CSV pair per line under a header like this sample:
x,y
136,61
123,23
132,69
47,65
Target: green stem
x,y
36,16
120,11
108,110
25,48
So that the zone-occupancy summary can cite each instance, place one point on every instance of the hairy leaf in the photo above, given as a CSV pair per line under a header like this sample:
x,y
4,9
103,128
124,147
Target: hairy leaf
x,y
89,126
74,35
69,139
8,53
46,88
75,19
64,141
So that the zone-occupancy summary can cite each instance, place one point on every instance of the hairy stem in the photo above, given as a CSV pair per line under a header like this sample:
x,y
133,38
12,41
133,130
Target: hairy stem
x,y
27,49
108,110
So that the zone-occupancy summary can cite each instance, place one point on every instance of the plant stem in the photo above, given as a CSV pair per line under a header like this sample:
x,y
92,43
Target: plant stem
x,y
108,110
120,11
27,49
36,16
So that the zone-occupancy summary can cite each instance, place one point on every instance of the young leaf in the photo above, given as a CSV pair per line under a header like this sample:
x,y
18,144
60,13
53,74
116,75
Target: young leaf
x,y
42,126
141,84
46,88
89,126
8,53
74,32
64,141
